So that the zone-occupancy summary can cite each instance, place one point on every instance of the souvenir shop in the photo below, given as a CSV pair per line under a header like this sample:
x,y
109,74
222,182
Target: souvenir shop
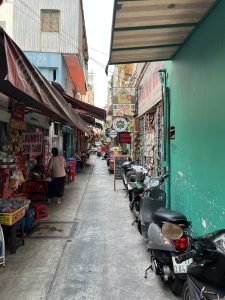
x,y
150,117
20,143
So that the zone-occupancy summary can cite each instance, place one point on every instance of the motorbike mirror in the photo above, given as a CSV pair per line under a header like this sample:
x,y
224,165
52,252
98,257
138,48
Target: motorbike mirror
x,y
164,164
171,231
132,178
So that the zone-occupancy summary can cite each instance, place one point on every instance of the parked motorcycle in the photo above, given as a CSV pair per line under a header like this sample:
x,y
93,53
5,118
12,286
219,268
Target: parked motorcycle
x,y
136,193
153,198
206,274
154,220
127,170
135,183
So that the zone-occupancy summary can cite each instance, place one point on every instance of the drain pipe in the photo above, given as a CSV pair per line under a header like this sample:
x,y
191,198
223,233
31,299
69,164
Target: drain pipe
x,y
166,131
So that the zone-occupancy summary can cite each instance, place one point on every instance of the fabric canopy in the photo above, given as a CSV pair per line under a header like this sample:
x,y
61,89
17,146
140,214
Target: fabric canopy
x,y
88,118
94,111
86,108
21,80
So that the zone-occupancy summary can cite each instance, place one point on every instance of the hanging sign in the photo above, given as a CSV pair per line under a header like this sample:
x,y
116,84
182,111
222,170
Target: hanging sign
x,y
32,144
17,118
113,133
120,124
107,132
120,110
123,100
124,137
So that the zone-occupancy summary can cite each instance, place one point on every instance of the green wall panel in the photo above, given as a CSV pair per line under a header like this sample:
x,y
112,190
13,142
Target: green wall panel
x,y
197,93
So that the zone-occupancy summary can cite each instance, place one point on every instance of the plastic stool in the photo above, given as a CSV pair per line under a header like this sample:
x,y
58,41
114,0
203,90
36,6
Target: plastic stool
x,y
71,170
41,211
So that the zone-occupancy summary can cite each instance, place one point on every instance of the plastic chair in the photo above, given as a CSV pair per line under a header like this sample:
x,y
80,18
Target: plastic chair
x,y
71,170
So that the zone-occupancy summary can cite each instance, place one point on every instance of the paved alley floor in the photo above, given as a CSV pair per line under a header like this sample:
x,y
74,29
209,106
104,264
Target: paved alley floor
x,y
97,254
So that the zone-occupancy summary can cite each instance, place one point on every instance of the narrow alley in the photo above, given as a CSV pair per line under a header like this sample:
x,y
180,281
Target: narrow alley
x,y
104,258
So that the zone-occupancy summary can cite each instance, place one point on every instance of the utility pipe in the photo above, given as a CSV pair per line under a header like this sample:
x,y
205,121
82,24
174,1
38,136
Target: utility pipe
x,y
166,130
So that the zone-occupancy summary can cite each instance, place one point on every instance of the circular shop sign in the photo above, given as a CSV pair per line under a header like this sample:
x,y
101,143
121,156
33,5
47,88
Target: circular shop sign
x,y
120,124
113,133
107,131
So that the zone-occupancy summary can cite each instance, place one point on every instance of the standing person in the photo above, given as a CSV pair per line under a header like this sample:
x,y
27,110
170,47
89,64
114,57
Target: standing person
x,y
103,149
56,169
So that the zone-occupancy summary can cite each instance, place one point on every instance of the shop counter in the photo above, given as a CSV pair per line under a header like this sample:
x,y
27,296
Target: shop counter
x,y
37,189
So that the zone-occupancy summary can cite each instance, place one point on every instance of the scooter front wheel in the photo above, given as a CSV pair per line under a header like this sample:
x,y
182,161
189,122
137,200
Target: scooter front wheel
x,y
176,285
139,227
124,182
185,292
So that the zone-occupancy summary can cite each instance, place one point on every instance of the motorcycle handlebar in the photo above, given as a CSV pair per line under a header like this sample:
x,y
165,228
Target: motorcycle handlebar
x,y
190,254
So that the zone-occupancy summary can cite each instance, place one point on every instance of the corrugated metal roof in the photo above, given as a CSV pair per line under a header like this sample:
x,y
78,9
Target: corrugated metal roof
x,y
153,30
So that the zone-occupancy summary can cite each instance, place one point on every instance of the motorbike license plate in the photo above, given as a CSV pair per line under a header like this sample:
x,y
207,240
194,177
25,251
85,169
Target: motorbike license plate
x,y
181,268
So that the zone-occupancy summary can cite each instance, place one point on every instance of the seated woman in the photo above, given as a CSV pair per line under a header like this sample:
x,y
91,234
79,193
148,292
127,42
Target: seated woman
x,y
38,171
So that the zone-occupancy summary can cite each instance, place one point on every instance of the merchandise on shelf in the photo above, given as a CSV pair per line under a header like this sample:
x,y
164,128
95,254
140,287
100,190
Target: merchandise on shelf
x,y
11,205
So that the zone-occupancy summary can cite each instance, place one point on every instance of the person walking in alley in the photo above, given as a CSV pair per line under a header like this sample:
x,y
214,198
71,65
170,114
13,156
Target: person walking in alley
x,y
56,169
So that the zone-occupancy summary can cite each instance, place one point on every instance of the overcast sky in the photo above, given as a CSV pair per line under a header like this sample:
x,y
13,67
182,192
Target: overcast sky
x,y
98,20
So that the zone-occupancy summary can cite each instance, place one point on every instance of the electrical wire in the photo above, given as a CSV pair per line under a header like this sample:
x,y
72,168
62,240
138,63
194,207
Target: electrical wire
x,y
61,37
79,49
65,33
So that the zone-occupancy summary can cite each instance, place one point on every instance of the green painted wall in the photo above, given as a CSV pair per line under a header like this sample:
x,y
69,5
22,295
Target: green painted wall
x,y
197,92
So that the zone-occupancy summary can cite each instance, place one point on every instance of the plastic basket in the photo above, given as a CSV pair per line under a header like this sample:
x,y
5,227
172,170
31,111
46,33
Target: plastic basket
x,y
11,218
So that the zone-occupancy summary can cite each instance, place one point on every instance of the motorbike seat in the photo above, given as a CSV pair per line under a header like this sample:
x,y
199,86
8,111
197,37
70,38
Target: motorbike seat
x,y
148,207
167,215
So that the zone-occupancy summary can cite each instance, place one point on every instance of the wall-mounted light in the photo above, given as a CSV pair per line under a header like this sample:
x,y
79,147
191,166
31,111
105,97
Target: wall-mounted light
x,y
171,6
162,74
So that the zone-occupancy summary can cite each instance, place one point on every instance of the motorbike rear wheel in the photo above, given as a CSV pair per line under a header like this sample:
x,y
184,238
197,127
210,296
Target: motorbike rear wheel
x,y
176,285
185,292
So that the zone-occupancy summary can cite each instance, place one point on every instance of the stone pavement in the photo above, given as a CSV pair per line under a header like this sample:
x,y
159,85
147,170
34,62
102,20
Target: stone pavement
x,y
87,249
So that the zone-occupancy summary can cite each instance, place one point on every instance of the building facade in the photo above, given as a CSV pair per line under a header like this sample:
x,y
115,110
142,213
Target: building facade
x,y
197,91
90,95
52,34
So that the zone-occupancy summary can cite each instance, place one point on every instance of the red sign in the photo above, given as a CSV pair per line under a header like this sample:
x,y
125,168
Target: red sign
x,y
124,137
17,113
32,144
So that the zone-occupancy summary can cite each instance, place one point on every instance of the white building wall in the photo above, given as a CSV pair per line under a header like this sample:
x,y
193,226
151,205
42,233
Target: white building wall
x,y
6,16
27,26
56,140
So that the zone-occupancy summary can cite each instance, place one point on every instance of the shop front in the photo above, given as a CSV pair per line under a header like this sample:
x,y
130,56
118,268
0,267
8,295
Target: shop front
x,y
28,105
150,115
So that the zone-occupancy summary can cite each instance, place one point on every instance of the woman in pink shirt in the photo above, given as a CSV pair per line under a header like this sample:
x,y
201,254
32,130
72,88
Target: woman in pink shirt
x,y
56,169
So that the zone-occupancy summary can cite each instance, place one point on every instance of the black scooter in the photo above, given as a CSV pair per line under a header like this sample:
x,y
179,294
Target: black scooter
x,y
206,275
152,199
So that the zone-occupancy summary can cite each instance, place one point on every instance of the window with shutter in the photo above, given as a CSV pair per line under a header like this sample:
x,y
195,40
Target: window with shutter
x,y
50,20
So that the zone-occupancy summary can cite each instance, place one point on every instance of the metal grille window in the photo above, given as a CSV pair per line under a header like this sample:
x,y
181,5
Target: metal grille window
x,y
50,20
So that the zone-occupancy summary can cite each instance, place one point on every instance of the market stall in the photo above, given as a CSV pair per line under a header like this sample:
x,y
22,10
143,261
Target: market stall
x,y
20,144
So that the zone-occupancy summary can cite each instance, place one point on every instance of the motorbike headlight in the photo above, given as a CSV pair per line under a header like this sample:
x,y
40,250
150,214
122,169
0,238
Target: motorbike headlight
x,y
154,182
